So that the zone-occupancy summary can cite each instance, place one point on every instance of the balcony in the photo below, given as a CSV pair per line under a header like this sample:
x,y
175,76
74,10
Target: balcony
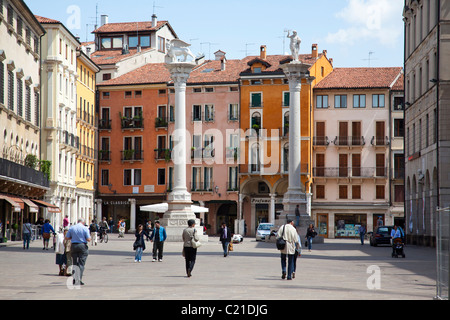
x,y
87,152
104,124
202,153
67,139
163,154
321,141
23,173
161,122
350,172
132,123
104,155
380,141
132,155
349,141
200,186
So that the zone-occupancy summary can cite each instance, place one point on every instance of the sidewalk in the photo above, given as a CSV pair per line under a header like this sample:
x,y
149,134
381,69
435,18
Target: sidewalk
x,y
337,269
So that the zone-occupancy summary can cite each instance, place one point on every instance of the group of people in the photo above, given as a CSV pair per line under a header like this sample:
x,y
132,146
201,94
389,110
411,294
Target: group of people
x,y
157,235
98,229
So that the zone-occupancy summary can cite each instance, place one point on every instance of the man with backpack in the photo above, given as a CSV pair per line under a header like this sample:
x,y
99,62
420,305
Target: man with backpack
x,y
93,229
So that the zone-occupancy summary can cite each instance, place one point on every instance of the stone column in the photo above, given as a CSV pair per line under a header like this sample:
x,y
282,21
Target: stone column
x,y
132,215
179,200
295,71
272,208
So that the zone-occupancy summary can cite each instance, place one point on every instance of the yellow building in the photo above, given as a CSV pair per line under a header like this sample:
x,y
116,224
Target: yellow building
x,y
265,122
87,135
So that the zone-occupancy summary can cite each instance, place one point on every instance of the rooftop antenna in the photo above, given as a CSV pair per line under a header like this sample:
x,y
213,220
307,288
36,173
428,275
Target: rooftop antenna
x,y
370,58
155,6
285,31
246,48
90,24
209,51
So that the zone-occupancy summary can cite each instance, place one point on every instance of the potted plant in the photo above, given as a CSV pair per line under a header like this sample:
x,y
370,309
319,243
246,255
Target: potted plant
x,y
31,161
128,154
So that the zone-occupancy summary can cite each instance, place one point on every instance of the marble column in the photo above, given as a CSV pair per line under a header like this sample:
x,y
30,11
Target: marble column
x,y
179,200
132,215
272,208
295,71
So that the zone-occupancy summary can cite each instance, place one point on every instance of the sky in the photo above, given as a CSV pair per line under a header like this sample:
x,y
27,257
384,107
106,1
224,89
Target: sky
x,y
355,33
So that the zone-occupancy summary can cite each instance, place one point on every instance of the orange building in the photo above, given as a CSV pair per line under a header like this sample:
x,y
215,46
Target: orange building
x,y
265,121
133,143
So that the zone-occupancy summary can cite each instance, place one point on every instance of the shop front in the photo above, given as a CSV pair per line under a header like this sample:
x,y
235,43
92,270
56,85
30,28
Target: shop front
x,y
347,225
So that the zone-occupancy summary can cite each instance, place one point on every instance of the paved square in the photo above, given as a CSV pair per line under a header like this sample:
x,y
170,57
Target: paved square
x,y
337,269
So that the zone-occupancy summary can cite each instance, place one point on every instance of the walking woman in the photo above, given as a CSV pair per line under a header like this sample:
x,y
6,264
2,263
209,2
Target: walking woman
x,y
189,252
310,234
46,228
139,244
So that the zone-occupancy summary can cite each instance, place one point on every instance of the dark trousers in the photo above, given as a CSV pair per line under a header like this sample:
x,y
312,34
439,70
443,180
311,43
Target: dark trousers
x,y
189,255
158,249
291,261
79,253
225,247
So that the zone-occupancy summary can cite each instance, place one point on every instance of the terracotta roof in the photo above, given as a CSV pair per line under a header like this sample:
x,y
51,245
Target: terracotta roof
x,y
274,62
113,56
147,74
129,27
211,72
46,20
399,84
346,78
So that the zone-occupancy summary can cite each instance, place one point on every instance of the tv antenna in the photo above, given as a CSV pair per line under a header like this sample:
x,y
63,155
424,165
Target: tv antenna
x,y
370,57
285,31
155,6
246,48
209,50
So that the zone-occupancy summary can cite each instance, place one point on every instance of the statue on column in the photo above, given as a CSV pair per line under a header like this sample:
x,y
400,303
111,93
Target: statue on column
x,y
176,48
295,44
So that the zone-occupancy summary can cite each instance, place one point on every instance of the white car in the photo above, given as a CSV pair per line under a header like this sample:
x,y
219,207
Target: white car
x,y
263,231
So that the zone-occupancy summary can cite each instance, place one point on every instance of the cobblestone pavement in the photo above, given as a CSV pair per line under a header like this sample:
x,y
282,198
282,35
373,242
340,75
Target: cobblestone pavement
x,y
335,270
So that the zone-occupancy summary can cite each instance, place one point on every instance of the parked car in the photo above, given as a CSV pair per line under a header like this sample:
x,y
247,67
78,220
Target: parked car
x,y
263,231
381,235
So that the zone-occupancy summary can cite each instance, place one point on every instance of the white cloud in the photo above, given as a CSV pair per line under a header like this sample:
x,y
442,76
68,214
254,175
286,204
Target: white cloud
x,y
379,20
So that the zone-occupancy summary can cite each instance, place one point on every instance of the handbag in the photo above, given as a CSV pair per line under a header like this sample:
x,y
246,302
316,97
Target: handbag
x,y
230,247
281,243
46,235
195,244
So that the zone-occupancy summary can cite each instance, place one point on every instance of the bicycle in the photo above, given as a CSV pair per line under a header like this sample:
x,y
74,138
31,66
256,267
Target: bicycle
x,y
104,236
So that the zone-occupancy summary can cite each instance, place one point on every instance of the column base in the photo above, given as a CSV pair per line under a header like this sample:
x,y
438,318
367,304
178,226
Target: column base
x,y
291,199
175,221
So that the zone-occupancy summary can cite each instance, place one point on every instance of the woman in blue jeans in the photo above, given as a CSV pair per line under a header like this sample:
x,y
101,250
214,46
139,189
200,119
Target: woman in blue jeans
x,y
310,234
139,244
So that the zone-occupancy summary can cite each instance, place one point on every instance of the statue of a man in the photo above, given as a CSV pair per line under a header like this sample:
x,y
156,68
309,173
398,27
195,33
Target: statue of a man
x,y
295,44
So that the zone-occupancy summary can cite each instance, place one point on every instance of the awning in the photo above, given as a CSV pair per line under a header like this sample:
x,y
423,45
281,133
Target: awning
x,y
19,201
163,207
50,207
31,205
14,204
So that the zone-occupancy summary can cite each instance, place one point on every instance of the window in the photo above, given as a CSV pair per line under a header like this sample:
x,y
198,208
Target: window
x,y
209,112
255,162
132,177
138,94
359,101
399,127
320,192
380,192
257,70
105,95
196,90
27,103
105,177
112,43
142,41
340,101
233,178
356,192
197,113
209,89
208,178
161,176
128,94
10,90
378,101
343,192
256,100
233,114
321,102
171,113
286,98
2,82
161,44
20,97
106,76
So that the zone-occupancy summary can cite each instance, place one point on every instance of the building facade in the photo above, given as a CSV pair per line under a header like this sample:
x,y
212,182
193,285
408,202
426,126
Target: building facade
x,y
86,160
427,97
59,139
264,122
353,150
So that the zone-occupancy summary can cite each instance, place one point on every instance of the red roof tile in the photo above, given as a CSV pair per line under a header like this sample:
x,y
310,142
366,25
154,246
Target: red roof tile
x,y
113,56
129,27
46,20
147,74
346,78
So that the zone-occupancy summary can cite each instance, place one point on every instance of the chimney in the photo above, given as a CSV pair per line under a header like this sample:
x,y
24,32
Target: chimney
x,y
104,19
223,63
154,21
314,51
263,54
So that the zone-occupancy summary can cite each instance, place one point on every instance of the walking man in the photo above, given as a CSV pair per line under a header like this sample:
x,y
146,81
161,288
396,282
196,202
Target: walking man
x,y
290,235
158,237
297,216
225,238
80,237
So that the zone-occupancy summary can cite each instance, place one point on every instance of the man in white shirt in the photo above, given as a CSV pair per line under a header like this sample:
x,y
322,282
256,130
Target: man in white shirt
x,y
290,235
